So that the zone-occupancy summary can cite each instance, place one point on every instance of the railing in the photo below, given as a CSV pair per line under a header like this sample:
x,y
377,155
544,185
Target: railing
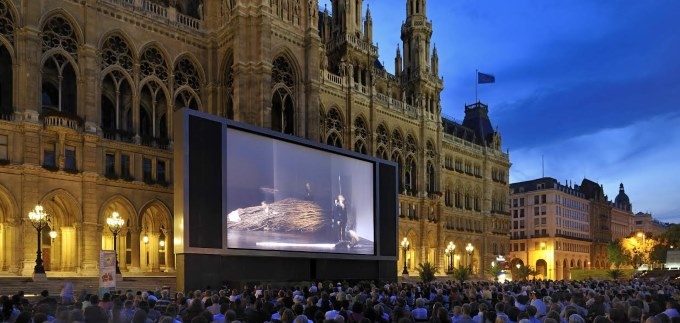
x,y
7,116
357,42
61,121
332,77
155,9
188,21
151,9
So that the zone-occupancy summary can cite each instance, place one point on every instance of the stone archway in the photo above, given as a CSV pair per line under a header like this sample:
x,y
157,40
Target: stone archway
x,y
156,240
541,269
125,248
61,253
10,231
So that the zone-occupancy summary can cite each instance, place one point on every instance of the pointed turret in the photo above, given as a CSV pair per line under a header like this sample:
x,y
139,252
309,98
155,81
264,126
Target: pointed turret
x,y
435,61
368,26
397,62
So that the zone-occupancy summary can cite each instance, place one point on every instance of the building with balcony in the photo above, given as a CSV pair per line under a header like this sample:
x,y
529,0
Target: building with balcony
x,y
88,89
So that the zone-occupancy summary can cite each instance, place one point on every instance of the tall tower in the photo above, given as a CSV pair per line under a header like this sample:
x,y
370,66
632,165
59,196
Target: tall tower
x,y
347,16
351,52
421,83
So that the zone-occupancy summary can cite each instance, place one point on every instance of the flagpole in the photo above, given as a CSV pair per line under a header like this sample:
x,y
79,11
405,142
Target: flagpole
x,y
476,84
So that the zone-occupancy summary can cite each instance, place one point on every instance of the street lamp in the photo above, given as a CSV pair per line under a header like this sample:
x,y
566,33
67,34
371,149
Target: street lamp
x,y
469,249
53,235
115,223
450,249
39,219
405,246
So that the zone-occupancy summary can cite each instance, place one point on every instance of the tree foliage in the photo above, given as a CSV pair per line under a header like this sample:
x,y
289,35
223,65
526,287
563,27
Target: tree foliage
x,y
638,248
426,272
494,271
523,273
671,236
461,273
615,254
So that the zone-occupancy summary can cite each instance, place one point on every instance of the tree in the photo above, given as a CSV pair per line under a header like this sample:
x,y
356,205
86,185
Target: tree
x,y
494,271
523,273
461,273
671,236
615,254
426,272
638,248
658,255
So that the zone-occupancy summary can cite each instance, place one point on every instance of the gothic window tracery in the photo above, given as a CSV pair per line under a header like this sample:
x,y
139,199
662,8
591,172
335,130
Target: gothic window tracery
x,y
186,75
152,110
58,33
283,103
6,83
6,22
229,89
361,135
117,52
59,90
152,63
116,101
411,146
334,127
397,140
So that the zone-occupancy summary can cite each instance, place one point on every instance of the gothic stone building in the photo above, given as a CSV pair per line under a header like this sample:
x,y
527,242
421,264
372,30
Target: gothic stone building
x,y
87,91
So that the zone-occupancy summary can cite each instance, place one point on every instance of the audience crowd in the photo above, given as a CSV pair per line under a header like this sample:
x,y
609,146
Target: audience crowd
x,y
589,301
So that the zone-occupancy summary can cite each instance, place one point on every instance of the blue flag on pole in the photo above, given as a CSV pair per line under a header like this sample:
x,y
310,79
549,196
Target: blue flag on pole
x,y
485,78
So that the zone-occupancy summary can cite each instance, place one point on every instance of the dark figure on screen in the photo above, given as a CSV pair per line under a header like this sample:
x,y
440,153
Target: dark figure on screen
x,y
340,217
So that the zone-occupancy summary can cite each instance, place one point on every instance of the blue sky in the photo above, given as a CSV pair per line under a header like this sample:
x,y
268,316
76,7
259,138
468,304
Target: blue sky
x,y
593,86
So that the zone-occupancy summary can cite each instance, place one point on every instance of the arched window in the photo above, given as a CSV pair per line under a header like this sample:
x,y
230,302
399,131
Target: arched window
x,y
360,135
188,83
397,140
7,28
59,85
229,89
283,82
153,102
431,181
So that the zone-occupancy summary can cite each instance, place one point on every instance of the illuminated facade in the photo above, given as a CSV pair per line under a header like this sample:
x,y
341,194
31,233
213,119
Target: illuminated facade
x,y
558,227
87,91
550,227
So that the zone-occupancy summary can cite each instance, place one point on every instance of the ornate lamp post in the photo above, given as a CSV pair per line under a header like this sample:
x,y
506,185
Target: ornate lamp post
x,y
39,219
469,249
450,249
405,246
115,223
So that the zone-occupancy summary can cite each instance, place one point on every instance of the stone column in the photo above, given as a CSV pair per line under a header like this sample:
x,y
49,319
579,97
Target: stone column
x,y
154,264
68,248
169,252
11,245
29,247
91,237
135,244
3,248
122,249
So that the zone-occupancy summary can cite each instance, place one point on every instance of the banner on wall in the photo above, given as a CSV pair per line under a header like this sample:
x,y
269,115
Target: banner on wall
x,y
107,272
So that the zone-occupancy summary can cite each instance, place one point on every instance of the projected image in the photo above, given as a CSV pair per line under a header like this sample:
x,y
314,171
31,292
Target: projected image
x,y
283,196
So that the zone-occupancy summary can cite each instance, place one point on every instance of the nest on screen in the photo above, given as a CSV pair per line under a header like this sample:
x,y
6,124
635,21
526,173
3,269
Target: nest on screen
x,y
287,215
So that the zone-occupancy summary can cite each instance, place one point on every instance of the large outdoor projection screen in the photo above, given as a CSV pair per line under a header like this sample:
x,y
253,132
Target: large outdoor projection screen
x,y
248,198
285,196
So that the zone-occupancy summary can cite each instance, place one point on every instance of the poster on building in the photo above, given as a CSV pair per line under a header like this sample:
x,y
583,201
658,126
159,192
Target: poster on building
x,y
107,272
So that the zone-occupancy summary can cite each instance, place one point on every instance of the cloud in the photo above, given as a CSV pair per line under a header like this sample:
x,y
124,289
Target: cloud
x,y
643,155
